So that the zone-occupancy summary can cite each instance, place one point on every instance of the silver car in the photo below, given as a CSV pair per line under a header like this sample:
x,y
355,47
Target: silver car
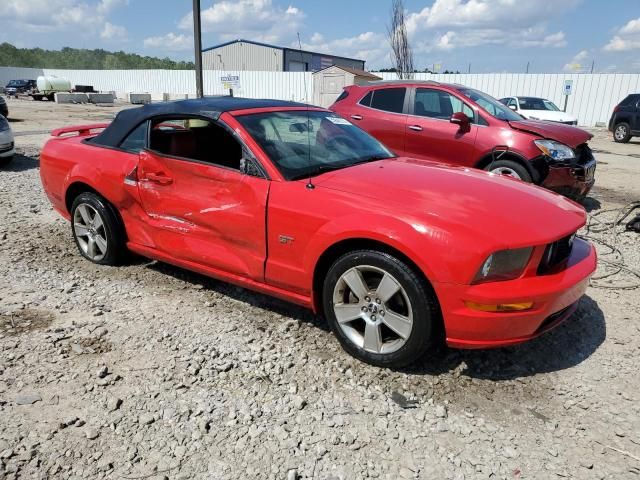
x,y
7,146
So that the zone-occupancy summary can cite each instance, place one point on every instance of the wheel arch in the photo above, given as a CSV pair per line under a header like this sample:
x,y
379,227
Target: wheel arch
x,y
79,187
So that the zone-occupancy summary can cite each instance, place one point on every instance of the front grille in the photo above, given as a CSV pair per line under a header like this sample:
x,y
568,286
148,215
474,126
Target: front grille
x,y
555,254
586,163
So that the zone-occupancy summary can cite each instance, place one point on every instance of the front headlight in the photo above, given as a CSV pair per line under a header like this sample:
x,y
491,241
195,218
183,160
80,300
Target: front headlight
x,y
555,150
503,265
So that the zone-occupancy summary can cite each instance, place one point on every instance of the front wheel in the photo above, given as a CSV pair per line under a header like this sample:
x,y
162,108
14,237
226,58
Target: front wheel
x,y
381,311
509,168
622,133
97,229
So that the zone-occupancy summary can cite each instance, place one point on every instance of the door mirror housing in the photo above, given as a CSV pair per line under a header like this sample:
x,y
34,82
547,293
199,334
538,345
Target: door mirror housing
x,y
513,107
461,120
249,167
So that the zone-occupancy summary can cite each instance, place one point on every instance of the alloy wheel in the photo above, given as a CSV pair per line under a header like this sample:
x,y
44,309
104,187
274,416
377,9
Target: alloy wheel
x,y
90,232
372,309
621,132
506,171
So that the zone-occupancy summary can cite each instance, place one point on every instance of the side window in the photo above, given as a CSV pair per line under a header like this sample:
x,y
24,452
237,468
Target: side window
x,y
136,141
196,139
512,103
366,101
389,99
439,104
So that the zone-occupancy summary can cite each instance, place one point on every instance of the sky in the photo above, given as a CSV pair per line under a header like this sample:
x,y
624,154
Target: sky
x,y
478,35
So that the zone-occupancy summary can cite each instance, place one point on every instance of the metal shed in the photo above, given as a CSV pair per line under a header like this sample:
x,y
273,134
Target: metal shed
x,y
329,82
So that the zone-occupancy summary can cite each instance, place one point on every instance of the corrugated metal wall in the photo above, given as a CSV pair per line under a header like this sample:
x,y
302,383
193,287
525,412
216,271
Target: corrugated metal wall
x,y
592,101
243,56
279,85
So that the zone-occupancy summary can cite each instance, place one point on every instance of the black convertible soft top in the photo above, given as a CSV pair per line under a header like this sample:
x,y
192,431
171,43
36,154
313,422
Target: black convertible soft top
x,y
210,107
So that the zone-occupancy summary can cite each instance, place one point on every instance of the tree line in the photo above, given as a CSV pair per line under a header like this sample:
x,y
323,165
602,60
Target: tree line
x,y
84,59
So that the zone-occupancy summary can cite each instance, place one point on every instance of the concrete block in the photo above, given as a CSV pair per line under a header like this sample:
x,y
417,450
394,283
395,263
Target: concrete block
x,y
71,97
100,97
139,98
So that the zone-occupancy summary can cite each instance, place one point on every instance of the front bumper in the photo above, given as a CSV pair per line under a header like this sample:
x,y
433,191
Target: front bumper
x,y
573,179
554,298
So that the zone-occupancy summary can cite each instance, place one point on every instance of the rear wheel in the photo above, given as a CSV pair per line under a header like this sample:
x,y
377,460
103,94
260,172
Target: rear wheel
x,y
622,133
509,168
97,230
380,310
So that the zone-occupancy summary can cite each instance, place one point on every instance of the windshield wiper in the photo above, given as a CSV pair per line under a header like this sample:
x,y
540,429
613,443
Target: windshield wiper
x,y
329,168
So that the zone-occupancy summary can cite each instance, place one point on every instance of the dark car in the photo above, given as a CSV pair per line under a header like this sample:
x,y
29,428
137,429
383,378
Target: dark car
x,y
14,87
453,124
625,119
4,109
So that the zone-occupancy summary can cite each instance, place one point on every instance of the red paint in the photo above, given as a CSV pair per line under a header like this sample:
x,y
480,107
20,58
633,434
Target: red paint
x,y
222,223
456,142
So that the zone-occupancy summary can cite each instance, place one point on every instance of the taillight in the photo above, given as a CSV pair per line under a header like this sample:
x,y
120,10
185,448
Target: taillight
x,y
616,108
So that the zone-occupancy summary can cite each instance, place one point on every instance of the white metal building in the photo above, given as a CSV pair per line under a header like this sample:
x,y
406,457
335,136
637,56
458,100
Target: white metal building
x,y
243,55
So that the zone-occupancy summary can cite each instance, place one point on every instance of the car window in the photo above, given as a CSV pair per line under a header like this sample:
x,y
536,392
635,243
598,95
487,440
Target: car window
x,y
366,101
512,103
136,141
309,143
196,139
531,103
389,99
439,104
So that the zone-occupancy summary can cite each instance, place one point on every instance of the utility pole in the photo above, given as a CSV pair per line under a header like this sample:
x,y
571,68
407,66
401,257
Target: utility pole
x,y
197,40
527,71
469,70
593,63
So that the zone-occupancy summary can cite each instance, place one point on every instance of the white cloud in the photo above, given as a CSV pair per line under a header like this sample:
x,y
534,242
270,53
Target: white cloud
x,y
106,6
627,38
576,64
250,19
469,23
170,41
111,31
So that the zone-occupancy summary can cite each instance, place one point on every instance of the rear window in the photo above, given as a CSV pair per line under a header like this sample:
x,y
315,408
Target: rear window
x,y
630,100
389,99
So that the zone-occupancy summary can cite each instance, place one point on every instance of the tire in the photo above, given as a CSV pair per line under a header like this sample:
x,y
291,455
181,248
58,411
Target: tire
x,y
102,241
622,133
5,160
412,311
510,168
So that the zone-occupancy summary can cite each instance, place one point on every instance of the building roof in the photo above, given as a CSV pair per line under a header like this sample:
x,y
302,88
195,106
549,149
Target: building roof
x,y
241,40
210,107
354,71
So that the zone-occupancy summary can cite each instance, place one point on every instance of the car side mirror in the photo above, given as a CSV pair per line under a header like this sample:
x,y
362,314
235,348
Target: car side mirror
x,y
461,120
513,107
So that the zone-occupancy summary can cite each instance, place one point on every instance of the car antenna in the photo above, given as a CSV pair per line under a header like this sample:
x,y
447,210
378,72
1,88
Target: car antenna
x,y
310,184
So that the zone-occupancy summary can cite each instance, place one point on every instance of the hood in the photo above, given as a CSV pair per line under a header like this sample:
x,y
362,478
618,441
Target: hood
x,y
507,212
572,136
549,115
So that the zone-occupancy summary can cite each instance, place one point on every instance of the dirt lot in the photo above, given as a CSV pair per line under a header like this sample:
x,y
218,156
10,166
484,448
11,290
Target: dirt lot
x,y
149,371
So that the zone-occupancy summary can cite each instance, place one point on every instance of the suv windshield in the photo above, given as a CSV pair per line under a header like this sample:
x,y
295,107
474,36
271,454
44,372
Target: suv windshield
x,y
492,106
532,103
307,143
16,83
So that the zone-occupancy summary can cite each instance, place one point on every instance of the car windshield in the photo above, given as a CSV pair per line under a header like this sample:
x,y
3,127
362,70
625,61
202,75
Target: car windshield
x,y
532,103
492,106
15,83
306,143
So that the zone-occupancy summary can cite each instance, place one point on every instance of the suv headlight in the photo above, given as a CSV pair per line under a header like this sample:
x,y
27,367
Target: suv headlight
x,y
503,265
555,150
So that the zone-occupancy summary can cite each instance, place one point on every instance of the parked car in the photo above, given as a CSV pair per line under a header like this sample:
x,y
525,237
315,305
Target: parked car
x,y
296,202
534,108
4,108
7,150
15,87
625,119
461,126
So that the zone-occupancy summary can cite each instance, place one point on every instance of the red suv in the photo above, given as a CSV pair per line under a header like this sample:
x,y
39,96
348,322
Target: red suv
x,y
458,125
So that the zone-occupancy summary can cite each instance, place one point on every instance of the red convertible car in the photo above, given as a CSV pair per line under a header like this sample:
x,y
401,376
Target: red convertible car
x,y
296,202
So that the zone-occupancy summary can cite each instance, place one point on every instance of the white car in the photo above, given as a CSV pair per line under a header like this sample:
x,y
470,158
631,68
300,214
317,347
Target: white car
x,y
534,108
7,150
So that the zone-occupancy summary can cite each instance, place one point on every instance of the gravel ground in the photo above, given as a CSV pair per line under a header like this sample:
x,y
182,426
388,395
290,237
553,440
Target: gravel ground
x,y
149,371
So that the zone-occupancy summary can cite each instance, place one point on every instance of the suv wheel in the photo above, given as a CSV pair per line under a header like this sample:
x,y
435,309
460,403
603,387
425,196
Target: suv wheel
x,y
622,133
510,169
381,312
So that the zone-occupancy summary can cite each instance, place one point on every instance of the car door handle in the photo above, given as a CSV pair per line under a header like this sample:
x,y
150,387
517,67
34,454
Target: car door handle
x,y
159,178
417,128
356,117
